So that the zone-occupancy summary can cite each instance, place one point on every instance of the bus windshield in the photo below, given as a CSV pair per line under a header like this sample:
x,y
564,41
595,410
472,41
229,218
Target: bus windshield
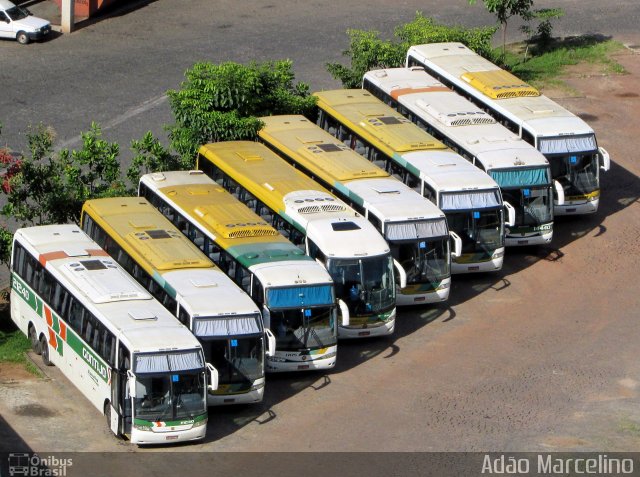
x,y
170,396
367,283
299,328
578,173
481,231
534,205
425,261
238,360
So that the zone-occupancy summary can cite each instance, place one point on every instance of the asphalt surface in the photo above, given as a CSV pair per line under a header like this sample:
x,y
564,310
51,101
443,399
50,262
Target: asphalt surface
x,y
541,356
115,70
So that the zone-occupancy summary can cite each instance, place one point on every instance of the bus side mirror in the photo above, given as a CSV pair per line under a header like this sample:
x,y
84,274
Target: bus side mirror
x,y
559,193
213,377
271,342
401,272
457,244
605,160
131,381
345,317
511,214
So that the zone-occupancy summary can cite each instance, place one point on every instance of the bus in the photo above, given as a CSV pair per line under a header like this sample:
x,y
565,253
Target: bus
x,y
415,229
474,135
295,294
470,199
566,140
356,256
220,314
117,344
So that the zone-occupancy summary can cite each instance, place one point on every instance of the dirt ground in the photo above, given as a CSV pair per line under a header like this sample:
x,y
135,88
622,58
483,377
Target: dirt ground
x,y
541,356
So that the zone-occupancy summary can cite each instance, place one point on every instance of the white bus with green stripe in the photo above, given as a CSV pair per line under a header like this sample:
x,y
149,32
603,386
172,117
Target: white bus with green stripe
x,y
203,298
119,346
566,140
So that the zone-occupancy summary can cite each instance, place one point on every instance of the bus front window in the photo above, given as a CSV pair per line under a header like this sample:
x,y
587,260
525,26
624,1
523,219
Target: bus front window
x,y
366,285
480,231
538,205
577,173
534,206
169,397
238,360
300,328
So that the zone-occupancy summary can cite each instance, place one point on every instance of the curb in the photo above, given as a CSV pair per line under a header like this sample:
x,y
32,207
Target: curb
x,y
37,362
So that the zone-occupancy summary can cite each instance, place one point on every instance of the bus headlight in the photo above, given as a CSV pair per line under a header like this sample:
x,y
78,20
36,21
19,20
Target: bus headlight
x,y
201,423
444,286
499,254
256,387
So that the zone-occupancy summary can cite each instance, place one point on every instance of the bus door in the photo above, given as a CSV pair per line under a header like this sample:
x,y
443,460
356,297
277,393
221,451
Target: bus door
x,y
120,398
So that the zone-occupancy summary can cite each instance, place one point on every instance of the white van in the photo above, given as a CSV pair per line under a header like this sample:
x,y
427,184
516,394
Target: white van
x,y
17,22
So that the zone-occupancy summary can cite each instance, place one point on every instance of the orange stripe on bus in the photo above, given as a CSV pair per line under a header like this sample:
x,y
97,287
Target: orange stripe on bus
x,y
47,315
431,89
63,330
45,257
52,339
97,253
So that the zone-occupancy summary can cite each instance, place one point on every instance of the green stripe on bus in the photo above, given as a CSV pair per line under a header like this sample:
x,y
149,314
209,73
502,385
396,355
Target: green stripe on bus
x,y
36,303
182,422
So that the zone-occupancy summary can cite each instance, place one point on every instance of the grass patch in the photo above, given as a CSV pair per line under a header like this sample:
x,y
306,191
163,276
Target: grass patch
x,y
545,66
13,346
630,427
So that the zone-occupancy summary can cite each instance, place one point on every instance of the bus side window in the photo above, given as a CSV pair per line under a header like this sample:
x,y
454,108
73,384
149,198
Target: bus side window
x,y
315,252
124,358
75,314
183,317
528,137
429,193
375,221
257,291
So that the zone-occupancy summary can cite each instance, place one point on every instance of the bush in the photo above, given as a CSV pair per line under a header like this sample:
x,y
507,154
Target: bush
x,y
367,51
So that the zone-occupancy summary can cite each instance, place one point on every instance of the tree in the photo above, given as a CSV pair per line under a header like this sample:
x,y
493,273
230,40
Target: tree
x,y
151,156
34,184
505,9
367,51
47,187
541,36
222,102
90,172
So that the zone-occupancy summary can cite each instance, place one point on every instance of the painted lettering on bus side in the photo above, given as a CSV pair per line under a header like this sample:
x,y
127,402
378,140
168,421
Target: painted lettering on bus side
x,y
25,292
20,288
100,368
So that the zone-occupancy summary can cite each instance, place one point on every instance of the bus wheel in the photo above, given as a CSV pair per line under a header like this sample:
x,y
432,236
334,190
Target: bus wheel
x,y
44,346
107,414
33,337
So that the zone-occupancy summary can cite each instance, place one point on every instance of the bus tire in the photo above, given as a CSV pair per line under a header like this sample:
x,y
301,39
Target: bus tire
x,y
33,337
44,346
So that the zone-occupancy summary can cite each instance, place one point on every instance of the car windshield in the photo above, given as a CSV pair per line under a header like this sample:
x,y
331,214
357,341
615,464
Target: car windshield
x,y
17,13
